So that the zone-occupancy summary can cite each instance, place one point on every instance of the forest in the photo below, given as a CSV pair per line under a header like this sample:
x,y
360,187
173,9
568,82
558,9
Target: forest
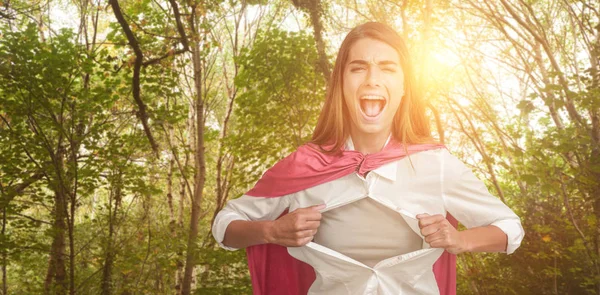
x,y
125,126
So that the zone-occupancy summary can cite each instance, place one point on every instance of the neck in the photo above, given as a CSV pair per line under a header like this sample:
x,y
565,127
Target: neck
x,y
369,143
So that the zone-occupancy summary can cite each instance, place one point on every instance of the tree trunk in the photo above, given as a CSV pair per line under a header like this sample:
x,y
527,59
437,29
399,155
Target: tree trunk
x,y
170,195
182,185
190,262
56,278
595,153
4,260
179,272
315,10
315,19
71,231
115,196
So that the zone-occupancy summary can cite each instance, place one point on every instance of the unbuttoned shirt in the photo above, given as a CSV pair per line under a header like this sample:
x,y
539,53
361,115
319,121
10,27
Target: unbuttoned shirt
x,y
433,182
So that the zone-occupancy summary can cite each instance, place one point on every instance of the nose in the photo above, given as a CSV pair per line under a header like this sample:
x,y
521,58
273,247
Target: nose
x,y
373,78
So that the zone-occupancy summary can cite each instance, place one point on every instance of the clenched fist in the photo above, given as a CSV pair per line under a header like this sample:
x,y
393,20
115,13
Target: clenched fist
x,y
297,228
439,233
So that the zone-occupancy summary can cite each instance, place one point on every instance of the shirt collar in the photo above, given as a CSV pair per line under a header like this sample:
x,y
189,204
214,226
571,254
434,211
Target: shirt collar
x,y
387,171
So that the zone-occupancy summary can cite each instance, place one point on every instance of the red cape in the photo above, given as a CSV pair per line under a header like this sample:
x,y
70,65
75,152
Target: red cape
x,y
272,269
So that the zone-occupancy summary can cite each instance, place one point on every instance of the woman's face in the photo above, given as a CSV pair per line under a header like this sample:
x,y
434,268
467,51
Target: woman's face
x,y
373,85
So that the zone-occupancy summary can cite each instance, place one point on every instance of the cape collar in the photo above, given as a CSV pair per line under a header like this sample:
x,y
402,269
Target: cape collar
x,y
387,171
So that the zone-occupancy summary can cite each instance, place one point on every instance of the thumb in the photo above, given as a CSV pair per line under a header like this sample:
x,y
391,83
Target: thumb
x,y
318,207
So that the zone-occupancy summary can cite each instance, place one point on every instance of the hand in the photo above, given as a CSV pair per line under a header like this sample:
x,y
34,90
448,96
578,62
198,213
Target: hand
x,y
297,228
439,233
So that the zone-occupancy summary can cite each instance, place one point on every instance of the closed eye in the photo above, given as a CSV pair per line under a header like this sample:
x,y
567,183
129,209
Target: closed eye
x,y
357,69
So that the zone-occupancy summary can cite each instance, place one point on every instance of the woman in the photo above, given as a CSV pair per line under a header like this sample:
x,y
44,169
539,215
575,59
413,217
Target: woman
x,y
370,197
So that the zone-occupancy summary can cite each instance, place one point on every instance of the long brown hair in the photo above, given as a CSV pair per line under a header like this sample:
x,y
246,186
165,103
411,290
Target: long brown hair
x,y
410,124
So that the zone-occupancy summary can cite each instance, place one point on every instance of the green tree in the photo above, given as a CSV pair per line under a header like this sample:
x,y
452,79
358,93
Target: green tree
x,y
281,99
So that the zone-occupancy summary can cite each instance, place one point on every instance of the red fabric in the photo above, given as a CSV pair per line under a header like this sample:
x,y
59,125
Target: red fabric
x,y
444,268
272,269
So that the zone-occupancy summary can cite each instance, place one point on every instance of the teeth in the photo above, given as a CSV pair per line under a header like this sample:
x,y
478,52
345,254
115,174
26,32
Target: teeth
x,y
373,97
372,105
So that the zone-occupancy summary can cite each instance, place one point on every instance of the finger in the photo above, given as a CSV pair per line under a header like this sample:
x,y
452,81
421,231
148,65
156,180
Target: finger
x,y
442,234
298,242
306,241
428,220
318,207
303,234
436,227
430,229
439,242
310,225
435,238
315,207
311,216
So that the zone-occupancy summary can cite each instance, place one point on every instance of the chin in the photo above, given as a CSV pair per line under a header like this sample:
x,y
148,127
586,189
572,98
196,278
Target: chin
x,y
372,129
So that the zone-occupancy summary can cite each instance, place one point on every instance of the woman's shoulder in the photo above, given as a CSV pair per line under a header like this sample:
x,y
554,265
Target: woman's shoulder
x,y
451,165
438,158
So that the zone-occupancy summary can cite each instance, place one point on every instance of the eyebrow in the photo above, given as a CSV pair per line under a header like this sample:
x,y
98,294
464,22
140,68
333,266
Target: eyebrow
x,y
381,63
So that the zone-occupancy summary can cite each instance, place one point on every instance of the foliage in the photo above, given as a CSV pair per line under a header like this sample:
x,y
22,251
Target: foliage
x,y
280,104
88,208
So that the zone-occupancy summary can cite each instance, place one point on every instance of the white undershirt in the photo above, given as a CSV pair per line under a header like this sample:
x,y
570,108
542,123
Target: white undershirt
x,y
355,230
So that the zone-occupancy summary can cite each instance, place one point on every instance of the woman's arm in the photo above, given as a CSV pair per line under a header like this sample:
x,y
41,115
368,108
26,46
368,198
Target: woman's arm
x,y
488,238
249,221
254,212
241,233
491,225
439,233
291,230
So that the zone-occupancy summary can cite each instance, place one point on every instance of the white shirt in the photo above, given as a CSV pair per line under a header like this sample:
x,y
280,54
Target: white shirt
x,y
439,183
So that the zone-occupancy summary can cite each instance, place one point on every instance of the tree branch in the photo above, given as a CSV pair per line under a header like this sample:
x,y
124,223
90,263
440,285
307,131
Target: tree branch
x,y
139,56
17,189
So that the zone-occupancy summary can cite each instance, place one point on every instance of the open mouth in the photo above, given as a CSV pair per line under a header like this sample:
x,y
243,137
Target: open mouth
x,y
372,105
